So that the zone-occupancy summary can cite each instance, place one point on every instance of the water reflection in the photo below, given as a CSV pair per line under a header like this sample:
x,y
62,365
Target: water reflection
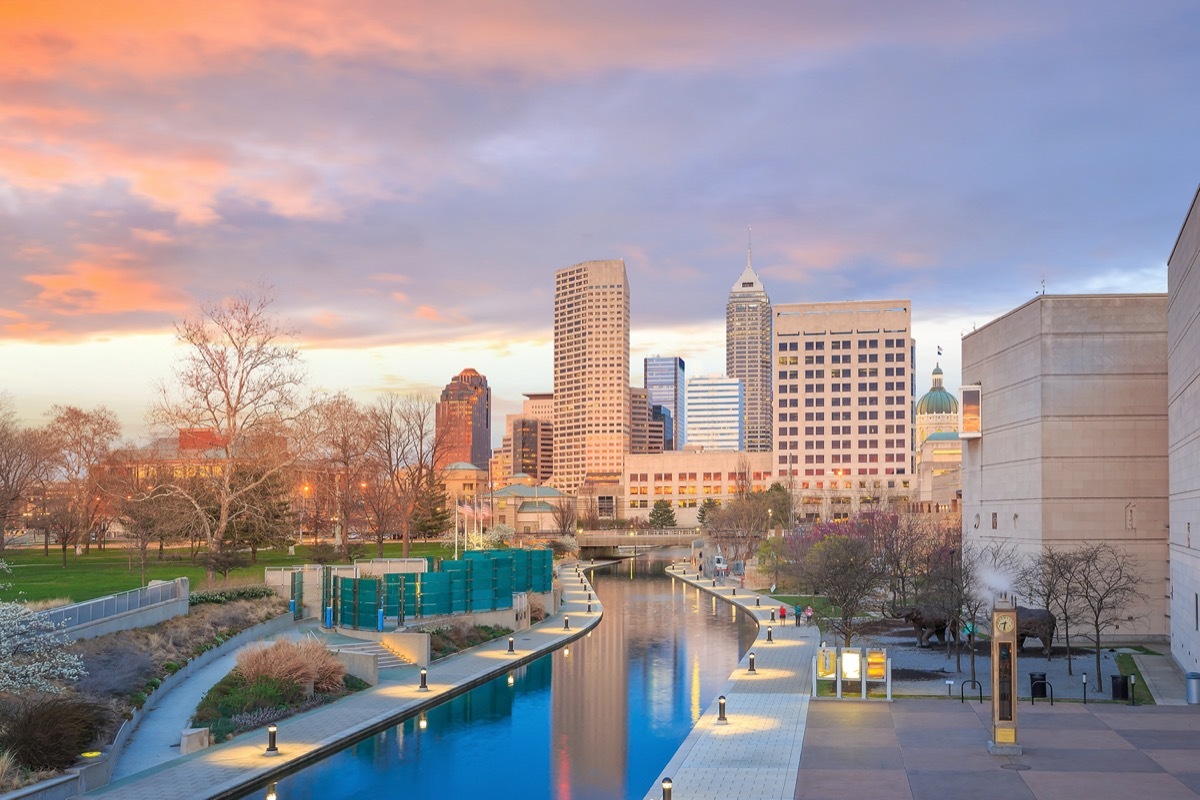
x,y
597,723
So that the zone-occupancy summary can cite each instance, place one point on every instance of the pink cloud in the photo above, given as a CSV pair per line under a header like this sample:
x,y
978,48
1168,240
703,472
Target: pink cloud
x,y
88,287
431,314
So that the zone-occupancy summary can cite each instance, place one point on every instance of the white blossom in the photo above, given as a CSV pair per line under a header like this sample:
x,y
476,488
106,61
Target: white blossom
x,y
33,652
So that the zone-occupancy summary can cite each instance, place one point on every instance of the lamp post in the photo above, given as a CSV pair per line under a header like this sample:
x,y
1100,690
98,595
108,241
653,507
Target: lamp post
x,y
1085,688
272,750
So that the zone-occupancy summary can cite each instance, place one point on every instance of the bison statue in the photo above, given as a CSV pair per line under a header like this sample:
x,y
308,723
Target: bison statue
x,y
1037,623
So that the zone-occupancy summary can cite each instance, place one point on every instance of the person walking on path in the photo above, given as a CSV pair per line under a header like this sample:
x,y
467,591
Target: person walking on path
x,y
783,613
796,615
808,614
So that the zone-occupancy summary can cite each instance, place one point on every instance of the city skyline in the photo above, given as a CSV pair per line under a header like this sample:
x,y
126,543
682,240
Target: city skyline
x,y
410,178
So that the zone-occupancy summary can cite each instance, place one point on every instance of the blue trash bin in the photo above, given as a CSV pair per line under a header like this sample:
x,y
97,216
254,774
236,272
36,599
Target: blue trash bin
x,y
1193,688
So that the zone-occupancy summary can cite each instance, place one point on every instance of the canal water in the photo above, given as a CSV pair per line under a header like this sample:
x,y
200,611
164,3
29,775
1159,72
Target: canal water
x,y
597,719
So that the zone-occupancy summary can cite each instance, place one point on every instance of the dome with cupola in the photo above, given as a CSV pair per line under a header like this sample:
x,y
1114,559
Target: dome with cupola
x,y
937,400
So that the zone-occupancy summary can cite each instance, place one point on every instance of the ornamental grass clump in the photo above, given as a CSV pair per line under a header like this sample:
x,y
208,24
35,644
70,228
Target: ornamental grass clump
x,y
300,662
49,733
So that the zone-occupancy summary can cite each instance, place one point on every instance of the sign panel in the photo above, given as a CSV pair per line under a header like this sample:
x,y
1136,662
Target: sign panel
x,y
970,417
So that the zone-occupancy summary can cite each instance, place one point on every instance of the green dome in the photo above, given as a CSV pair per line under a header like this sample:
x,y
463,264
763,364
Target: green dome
x,y
937,400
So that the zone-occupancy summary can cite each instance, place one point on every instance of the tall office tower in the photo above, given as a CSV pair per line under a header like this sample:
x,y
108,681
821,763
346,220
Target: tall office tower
x,y
527,447
844,390
645,433
463,419
716,408
591,373
664,380
748,354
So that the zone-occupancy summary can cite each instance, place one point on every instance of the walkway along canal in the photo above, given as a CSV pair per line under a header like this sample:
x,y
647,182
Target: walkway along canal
x,y
597,719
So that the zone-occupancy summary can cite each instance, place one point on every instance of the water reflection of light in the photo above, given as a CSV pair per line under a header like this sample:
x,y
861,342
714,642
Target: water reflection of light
x,y
695,688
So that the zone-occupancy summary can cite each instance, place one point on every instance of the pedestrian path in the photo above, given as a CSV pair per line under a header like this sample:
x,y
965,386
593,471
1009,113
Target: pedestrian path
x,y
220,770
755,752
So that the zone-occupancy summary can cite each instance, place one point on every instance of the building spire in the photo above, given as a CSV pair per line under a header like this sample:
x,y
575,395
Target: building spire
x,y
749,247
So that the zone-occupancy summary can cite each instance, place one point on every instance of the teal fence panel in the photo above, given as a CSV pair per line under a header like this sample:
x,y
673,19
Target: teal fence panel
x,y
521,576
458,573
482,589
411,591
504,581
297,595
541,570
370,599
435,594
394,595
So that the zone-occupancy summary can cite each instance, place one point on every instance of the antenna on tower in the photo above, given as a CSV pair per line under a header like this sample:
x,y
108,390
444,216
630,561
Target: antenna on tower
x,y
749,245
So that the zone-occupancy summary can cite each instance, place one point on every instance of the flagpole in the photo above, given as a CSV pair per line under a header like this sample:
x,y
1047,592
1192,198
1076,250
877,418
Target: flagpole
x,y
456,504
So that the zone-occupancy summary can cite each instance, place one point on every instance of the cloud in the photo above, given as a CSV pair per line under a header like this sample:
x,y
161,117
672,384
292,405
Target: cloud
x,y
89,288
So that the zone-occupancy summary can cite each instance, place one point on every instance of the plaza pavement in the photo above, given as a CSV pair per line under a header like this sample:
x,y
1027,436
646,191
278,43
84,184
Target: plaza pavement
x,y
777,744
227,769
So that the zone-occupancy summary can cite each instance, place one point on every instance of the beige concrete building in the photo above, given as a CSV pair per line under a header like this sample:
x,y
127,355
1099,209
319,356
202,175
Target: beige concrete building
x,y
1073,436
688,477
844,392
527,447
1183,411
591,373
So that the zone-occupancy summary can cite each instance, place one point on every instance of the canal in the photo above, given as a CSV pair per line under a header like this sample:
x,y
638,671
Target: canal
x,y
597,719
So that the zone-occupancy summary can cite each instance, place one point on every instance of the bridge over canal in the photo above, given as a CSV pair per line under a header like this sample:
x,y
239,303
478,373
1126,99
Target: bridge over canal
x,y
629,541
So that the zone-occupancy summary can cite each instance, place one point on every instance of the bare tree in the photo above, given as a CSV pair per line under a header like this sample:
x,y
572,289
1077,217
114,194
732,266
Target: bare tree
x,y
25,454
965,582
1108,585
383,514
241,384
564,515
845,570
739,525
408,447
343,447
1051,579
82,442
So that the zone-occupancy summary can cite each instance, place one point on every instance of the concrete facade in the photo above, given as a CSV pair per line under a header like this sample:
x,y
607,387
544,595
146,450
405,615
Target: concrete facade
x,y
1183,412
748,354
687,478
1074,433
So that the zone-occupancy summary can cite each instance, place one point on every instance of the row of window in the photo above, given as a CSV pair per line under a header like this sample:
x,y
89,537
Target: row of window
x,y
842,344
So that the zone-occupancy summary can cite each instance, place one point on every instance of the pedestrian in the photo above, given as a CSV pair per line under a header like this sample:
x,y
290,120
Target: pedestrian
x,y
808,612
783,613
796,615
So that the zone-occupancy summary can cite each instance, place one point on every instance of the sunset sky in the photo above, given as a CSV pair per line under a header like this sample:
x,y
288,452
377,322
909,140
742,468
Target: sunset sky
x,y
409,175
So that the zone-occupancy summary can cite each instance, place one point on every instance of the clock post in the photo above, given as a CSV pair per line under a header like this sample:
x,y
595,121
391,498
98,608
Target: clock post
x,y
1004,679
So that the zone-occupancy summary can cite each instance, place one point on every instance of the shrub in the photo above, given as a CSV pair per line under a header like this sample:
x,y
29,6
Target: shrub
x,y
49,732
229,595
299,662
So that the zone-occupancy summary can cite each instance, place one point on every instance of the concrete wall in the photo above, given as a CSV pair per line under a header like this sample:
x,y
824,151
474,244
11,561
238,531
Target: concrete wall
x,y
134,618
364,666
1074,444
1183,403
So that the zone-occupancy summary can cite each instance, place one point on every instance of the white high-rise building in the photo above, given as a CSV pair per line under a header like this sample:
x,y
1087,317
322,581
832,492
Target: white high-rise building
x,y
715,407
591,373
748,354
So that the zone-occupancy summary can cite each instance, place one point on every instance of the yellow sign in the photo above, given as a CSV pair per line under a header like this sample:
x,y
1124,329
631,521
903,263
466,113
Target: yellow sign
x,y
827,663
851,664
1006,735
876,665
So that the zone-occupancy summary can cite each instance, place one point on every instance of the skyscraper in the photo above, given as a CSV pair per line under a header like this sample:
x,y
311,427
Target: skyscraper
x,y
463,420
844,396
715,406
591,373
748,354
665,383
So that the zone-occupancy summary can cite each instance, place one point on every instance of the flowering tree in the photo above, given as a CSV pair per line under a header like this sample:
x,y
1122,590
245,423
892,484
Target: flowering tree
x,y
32,654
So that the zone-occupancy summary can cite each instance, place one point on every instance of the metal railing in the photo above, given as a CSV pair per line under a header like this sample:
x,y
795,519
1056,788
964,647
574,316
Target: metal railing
x,y
92,610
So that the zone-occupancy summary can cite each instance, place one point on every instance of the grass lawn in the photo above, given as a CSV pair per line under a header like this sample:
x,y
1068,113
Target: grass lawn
x,y
115,569
1141,692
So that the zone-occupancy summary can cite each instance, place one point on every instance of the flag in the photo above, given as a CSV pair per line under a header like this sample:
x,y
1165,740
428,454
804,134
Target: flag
x,y
939,350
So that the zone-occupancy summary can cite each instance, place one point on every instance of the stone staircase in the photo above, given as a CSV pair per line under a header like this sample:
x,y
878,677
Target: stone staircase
x,y
387,659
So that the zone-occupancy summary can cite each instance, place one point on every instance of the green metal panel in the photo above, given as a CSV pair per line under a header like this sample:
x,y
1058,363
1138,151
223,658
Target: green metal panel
x,y
297,595
435,594
370,599
394,596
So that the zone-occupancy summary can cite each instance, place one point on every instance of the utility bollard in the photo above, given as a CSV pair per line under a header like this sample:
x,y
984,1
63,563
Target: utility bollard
x,y
566,623
769,639
424,687
751,670
510,645
772,615
721,709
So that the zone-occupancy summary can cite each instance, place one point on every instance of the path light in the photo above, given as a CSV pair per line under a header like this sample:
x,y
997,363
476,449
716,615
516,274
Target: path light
x,y
566,623
422,722
510,645
751,670
714,581
589,608
772,615
735,591
1133,690
721,709
769,639
272,750
758,601
1085,688
271,791
424,686
666,787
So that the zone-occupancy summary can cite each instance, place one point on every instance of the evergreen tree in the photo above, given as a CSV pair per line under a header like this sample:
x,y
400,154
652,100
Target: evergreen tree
x,y
662,515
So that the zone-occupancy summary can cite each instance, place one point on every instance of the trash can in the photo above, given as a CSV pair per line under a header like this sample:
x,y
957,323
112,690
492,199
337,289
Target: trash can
x,y
1037,684
1120,687
1193,688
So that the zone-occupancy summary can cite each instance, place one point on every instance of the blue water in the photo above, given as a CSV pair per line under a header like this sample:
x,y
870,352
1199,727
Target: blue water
x,y
598,719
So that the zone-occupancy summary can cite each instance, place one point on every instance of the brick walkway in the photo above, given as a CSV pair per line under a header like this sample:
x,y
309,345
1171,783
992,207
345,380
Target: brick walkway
x,y
223,770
